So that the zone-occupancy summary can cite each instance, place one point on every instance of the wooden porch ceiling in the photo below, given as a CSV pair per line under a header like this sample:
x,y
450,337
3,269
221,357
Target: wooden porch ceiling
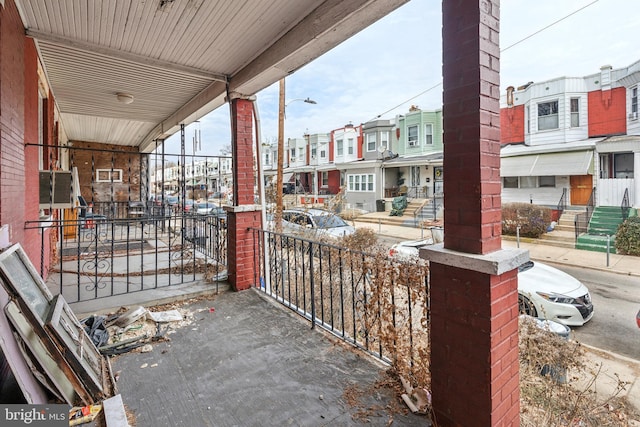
x,y
176,57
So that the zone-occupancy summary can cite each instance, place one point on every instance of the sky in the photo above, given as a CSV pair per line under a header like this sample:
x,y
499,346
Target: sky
x,y
397,62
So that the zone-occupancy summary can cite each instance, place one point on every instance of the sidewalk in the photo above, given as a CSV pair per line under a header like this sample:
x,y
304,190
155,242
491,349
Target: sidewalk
x,y
611,364
621,264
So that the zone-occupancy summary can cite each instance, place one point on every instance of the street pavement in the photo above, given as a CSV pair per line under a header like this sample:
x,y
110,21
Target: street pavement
x,y
610,364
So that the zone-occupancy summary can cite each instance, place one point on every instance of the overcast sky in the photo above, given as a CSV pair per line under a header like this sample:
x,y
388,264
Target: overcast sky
x,y
397,62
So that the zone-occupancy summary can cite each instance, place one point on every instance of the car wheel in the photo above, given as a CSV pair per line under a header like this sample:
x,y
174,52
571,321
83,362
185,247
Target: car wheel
x,y
526,307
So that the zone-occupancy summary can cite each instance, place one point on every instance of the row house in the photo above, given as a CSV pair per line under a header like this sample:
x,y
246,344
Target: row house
x,y
377,160
202,177
573,136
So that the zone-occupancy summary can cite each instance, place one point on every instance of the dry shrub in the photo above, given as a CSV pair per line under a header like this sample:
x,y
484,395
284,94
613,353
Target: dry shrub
x,y
549,395
364,239
533,220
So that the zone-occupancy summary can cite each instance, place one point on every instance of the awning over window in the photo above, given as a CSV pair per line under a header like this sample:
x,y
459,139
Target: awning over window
x,y
550,164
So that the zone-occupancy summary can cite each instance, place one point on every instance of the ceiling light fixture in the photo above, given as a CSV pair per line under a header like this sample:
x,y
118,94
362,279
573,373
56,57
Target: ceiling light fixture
x,y
124,98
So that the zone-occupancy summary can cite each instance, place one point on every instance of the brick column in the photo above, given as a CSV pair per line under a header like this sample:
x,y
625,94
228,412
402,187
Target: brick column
x,y
241,246
474,311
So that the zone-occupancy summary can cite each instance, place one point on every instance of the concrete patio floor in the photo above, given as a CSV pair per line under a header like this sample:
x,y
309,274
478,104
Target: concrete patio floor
x,y
251,362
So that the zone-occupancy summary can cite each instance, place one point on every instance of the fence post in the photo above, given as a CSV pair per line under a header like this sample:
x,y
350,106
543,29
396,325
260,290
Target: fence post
x,y
518,236
311,281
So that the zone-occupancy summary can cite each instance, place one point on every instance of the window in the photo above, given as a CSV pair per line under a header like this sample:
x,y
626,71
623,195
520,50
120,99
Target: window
x,y
548,115
510,182
547,181
371,142
266,160
108,175
575,112
325,179
428,134
293,155
340,147
634,102
350,146
412,136
384,139
623,165
323,154
363,182
529,182
314,151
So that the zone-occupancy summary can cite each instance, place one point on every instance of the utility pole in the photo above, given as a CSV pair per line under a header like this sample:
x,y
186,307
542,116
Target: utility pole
x,y
279,202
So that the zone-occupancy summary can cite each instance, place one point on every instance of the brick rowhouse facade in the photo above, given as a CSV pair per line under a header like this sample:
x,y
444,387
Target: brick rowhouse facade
x,y
242,245
18,127
474,298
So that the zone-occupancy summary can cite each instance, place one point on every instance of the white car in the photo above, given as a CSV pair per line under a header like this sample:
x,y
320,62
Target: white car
x,y
314,223
543,291
408,249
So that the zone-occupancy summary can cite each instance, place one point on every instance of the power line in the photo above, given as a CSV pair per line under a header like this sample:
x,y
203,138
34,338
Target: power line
x,y
501,50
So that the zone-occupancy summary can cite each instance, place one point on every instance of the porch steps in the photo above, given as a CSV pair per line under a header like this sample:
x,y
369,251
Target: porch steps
x,y
557,238
604,222
568,218
414,206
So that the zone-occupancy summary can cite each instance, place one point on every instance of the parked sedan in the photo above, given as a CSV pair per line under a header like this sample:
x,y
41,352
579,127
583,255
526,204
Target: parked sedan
x,y
543,291
315,223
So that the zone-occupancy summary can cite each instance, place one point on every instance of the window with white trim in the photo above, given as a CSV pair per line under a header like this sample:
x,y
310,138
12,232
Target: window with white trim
x,y
528,182
428,134
371,141
384,139
292,157
575,112
548,115
108,175
350,146
340,147
361,182
314,151
412,136
634,102
325,179
323,154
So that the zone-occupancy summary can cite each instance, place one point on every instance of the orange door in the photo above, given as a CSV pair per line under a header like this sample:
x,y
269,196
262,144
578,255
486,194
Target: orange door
x,y
581,186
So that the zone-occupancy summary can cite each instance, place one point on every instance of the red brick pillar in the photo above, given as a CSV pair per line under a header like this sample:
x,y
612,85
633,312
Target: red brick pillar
x,y
474,321
241,244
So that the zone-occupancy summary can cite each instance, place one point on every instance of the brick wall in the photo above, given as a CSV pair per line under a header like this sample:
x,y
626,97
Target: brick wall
x,y
607,112
241,244
481,311
91,156
512,124
12,121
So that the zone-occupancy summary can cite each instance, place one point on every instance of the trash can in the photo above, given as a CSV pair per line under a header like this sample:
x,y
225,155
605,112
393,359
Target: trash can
x,y
380,205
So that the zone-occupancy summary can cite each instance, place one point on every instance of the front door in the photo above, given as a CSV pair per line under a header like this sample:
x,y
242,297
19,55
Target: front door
x,y
581,187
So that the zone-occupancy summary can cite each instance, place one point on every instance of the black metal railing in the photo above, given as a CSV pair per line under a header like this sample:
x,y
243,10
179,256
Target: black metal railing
x,y
581,222
625,205
562,203
375,303
97,256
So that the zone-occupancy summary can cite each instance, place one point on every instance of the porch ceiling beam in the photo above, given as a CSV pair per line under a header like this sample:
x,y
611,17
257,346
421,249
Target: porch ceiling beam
x,y
122,55
326,27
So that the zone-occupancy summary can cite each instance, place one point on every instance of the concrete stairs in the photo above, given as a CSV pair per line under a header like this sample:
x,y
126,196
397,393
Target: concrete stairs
x,y
409,218
604,222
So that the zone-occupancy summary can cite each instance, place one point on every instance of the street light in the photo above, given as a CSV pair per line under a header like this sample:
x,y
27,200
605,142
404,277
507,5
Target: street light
x,y
281,115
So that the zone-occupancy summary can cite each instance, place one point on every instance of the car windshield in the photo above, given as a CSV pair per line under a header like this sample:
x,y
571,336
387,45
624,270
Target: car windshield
x,y
329,221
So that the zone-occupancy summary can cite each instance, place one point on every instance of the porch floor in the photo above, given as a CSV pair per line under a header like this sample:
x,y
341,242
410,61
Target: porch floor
x,y
251,362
